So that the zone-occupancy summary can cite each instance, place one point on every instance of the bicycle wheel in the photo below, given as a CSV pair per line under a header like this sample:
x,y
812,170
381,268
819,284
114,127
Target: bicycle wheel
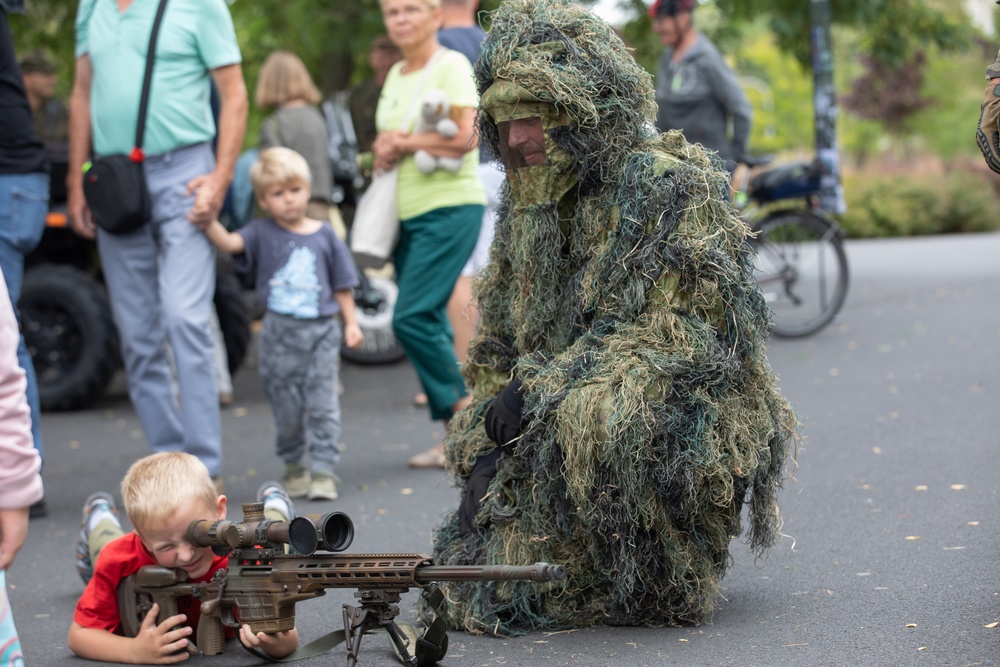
x,y
801,269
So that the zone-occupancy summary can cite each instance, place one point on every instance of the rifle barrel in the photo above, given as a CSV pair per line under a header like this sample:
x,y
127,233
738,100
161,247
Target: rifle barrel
x,y
537,572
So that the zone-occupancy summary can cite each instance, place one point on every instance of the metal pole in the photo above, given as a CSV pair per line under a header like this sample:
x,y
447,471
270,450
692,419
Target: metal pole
x,y
831,196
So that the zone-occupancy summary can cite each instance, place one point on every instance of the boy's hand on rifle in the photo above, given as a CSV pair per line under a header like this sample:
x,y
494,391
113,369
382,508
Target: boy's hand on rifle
x,y
277,645
162,644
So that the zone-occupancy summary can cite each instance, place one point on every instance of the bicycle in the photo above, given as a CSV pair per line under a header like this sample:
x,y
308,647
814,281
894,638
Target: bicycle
x,y
801,265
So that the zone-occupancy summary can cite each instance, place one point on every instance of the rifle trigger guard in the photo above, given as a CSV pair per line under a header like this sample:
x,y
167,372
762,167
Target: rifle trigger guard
x,y
209,606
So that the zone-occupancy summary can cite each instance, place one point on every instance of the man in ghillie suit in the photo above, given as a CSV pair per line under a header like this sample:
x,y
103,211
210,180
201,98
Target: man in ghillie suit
x,y
623,408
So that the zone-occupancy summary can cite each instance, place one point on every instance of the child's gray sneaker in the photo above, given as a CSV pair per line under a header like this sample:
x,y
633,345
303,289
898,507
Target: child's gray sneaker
x,y
323,487
95,501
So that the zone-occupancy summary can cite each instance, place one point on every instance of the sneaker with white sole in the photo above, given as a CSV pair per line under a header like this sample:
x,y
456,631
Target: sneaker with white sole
x,y
275,499
95,501
296,480
323,487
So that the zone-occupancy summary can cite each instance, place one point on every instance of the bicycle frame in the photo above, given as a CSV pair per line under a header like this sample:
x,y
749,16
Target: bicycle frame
x,y
801,265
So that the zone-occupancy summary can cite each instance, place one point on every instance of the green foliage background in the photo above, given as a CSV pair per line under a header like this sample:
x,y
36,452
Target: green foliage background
x,y
766,41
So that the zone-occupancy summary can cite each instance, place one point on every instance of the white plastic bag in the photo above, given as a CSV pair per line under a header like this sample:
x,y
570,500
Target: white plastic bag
x,y
375,230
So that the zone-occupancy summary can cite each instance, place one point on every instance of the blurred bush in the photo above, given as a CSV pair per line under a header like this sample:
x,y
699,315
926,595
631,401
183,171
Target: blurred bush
x,y
962,199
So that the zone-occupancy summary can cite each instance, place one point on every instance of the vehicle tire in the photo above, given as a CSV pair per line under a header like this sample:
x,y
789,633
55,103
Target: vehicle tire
x,y
374,313
234,315
70,334
802,269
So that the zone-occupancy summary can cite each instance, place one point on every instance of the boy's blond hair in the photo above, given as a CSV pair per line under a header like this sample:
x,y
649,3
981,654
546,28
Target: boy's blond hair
x,y
157,485
433,4
278,166
283,77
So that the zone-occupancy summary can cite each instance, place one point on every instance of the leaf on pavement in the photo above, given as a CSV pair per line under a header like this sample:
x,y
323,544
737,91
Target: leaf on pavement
x,y
558,632
992,625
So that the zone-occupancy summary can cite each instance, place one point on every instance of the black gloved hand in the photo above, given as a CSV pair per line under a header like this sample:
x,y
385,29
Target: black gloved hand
x,y
475,490
503,418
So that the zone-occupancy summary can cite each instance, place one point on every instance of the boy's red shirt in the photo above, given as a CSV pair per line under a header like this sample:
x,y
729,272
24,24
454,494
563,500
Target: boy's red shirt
x,y
98,606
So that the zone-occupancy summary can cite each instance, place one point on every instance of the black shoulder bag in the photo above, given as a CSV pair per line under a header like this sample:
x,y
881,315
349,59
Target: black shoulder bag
x,y
114,185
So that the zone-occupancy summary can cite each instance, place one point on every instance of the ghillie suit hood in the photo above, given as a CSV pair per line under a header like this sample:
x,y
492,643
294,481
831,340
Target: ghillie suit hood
x,y
630,313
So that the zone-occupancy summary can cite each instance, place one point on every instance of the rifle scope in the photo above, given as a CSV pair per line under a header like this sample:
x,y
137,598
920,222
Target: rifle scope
x,y
306,534
254,530
329,532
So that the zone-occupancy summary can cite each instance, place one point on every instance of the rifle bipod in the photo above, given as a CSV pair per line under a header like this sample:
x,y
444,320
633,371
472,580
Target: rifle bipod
x,y
378,611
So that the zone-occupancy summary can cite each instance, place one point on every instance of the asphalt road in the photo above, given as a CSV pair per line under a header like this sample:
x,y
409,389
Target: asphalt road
x,y
890,553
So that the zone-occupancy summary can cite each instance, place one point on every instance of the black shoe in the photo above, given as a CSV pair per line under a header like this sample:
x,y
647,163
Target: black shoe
x,y
38,510
620,619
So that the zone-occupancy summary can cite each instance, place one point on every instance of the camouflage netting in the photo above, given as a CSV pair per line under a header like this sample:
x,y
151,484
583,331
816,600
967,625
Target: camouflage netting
x,y
633,320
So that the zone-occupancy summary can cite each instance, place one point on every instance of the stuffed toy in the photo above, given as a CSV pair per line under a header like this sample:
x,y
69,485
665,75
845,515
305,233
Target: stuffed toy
x,y
435,116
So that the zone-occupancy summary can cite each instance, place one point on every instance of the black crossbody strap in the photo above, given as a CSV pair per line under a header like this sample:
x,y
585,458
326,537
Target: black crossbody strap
x,y
147,83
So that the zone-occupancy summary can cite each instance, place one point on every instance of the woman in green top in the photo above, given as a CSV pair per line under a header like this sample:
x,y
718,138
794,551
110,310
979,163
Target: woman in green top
x,y
440,212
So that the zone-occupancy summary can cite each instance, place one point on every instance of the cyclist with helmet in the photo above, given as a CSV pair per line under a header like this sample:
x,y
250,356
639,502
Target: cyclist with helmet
x,y
696,91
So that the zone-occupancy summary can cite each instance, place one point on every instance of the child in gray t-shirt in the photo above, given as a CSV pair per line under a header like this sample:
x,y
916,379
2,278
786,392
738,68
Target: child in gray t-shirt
x,y
305,278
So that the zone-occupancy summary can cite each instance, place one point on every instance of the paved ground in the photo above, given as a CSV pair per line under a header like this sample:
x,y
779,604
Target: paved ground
x,y
891,518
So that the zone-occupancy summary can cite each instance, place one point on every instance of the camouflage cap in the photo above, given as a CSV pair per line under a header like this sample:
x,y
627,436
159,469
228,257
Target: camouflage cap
x,y
37,62
505,100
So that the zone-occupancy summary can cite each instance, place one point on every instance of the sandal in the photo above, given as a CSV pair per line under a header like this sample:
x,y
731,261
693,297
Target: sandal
x,y
432,458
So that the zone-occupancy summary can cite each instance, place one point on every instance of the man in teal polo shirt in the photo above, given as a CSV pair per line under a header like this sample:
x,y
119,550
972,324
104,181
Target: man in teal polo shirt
x,y
161,277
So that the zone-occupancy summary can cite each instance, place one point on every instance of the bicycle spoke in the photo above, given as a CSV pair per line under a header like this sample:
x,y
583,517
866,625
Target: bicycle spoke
x,y
802,270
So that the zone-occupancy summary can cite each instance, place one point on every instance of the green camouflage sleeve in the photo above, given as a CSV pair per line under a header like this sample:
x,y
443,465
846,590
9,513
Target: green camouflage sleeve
x,y
993,71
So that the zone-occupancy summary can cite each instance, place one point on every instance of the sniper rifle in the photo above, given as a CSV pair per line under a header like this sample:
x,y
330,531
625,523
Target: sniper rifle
x,y
261,584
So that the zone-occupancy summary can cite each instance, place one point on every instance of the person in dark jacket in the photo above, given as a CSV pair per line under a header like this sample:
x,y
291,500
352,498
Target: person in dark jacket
x,y
24,198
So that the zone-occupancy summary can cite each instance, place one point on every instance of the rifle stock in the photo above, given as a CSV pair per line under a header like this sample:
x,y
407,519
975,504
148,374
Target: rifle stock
x,y
163,585
261,585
